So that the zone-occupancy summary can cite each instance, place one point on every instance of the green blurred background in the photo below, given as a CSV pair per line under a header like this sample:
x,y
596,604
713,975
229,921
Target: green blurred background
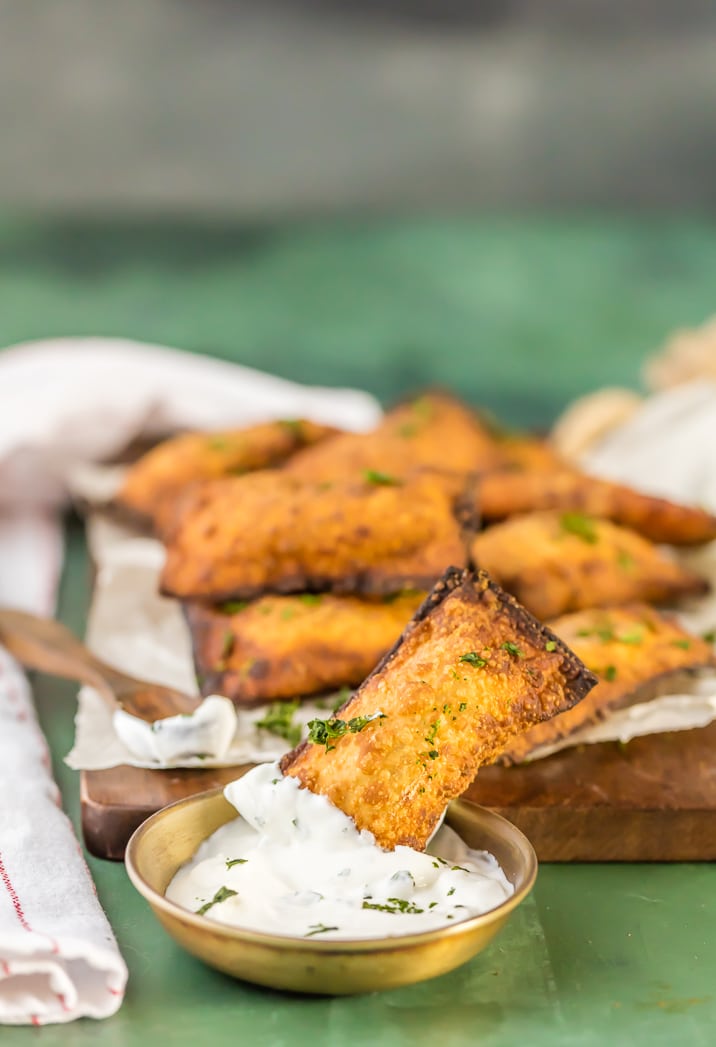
x,y
510,198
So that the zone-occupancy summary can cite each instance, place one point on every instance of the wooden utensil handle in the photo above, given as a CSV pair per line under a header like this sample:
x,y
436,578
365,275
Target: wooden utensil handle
x,y
44,644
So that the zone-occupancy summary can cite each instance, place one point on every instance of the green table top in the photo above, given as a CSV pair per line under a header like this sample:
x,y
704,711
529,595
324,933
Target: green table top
x,y
519,315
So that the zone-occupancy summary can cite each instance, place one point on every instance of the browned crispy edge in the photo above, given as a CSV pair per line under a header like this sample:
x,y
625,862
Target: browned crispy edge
x,y
455,578
644,691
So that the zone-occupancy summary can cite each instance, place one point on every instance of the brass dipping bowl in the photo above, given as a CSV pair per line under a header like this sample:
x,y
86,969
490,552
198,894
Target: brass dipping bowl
x,y
170,838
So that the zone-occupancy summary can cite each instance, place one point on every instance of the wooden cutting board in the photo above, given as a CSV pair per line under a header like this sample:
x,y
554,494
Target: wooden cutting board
x,y
651,800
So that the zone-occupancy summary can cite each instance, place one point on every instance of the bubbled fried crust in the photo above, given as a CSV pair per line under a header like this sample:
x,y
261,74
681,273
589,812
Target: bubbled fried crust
x,y
434,431
634,651
502,494
153,484
444,717
269,532
293,646
552,570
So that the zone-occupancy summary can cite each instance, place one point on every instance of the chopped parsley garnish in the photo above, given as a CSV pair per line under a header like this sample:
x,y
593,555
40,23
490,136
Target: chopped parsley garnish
x,y
318,928
683,644
430,736
231,862
473,658
422,407
581,526
287,614
278,719
635,637
451,891
458,868
610,673
323,732
710,636
233,606
374,476
310,599
393,905
512,649
550,646
221,895
625,560
462,707
227,646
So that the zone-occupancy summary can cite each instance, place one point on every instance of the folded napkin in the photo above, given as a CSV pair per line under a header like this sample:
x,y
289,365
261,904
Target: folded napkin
x,y
64,403
58,956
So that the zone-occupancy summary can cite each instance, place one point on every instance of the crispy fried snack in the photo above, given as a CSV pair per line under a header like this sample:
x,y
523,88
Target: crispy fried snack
x,y
435,431
502,494
290,646
472,670
152,484
521,453
635,651
558,562
269,532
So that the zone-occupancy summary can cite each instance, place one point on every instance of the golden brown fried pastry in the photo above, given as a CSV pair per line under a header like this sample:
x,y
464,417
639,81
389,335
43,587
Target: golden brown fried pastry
x,y
290,646
269,532
521,453
472,670
502,494
151,486
633,650
559,562
435,431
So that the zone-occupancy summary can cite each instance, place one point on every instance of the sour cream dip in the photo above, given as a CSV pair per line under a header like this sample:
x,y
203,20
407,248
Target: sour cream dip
x,y
293,864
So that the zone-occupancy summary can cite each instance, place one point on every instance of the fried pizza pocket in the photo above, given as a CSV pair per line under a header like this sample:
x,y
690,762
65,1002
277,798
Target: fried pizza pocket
x,y
472,670
635,652
270,532
293,646
558,562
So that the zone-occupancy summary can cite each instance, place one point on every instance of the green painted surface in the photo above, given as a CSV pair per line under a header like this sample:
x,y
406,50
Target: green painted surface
x,y
519,315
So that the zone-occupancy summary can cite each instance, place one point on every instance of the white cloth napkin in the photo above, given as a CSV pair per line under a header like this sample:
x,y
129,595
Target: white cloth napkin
x,y
58,956
63,403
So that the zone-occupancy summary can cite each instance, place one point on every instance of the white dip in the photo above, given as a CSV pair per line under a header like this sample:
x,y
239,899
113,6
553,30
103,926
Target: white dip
x,y
207,732
294,864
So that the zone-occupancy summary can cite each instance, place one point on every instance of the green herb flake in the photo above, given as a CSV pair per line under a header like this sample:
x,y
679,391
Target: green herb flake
x,y
393,905
227,646
231,862
512,649
287,614
292,426
433,754
683,644
233,606
635,637
550,646
422,407
625,560
451,891
431,735
710,636
310,599
473,658
278,719
458,868
610,673
581,526
318,928
462,707
323,732
374,476
221,895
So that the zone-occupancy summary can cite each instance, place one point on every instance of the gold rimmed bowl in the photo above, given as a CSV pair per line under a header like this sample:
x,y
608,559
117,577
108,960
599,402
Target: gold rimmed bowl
x,y
171,837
